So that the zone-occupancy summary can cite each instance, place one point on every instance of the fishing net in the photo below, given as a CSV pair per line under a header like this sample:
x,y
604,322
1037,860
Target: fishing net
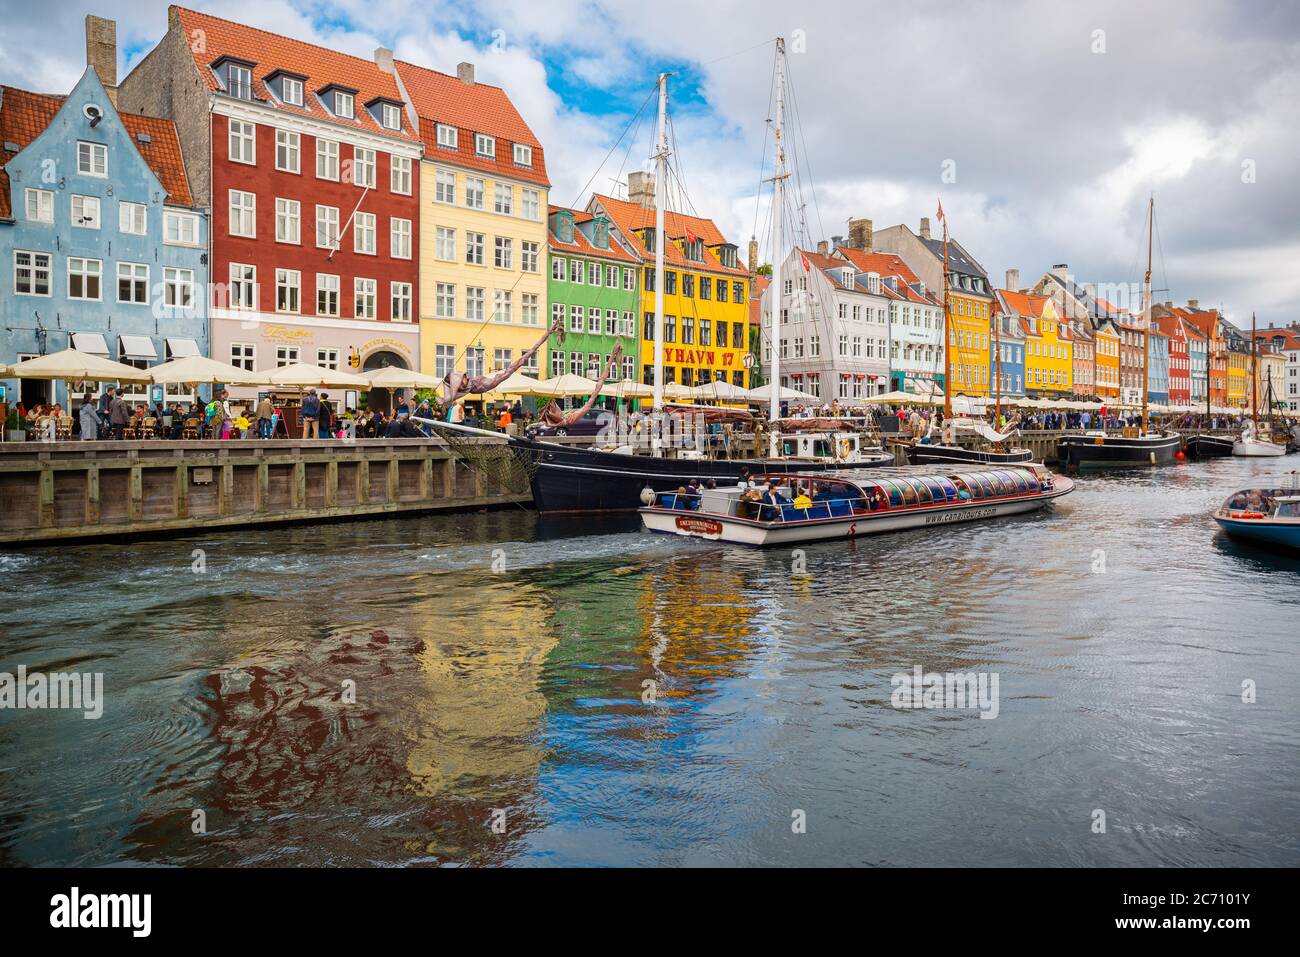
x,y
506,466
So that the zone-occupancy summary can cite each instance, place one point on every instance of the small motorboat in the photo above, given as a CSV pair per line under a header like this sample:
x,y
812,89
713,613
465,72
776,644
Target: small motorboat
x,y
1264,515
778,509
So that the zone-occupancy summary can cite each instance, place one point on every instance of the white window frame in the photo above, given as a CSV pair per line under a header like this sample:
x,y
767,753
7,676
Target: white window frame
x,y
331,236
475,303
529,256
175,280
246,279
241,135
485,146
91,209
399,238
44,203
399,175
180,219
137,273
503,252
86,274
530,204
475,189
523,155
503,198
444,304
390,116
243,203
289,145
367,291
444,186
400,296
289,280
444,244
364,165
345,105
328,284
132,218
34,270
364,239
327,156
291,90
243,355
288,221
448,136
475,248
92,159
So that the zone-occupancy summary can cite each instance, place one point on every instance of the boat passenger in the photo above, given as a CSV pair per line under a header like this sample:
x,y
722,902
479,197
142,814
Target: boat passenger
x,y
963,492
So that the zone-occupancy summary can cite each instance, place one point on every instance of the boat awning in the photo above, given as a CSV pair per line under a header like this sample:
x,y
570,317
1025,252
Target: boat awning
x,y
181,348
138,347
91,342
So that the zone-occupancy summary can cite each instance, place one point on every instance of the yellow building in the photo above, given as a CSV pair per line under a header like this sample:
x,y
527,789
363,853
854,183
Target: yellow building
x,y
483,229
1049,353
1107,358
969,342
1238,375
706,292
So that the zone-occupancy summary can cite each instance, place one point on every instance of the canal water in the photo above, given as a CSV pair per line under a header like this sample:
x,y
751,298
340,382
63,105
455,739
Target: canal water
x,y
498,689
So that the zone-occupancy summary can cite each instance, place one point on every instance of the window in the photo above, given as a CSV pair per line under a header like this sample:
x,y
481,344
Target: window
x,y
575,271
400,296
363,234
721,289
523,155
243,214
178,287
363,167
474,363
444,360
475,189
706,335
327,227
288,221
503,255
92,159
577,318
688,330
670,283
531,203
737,292
390,116
557,269
670,328
485,146
557,363
501,306
503,198
593,320
629,279
239,81
40,205
84,276
327,295
85,212
444,244
611,322
528,256
529,313
557,312
649,324
242,144
285,356
327,358
575,363
611,277
399,238
291,91
243,355
180,229
447,136
243,286
399,174
288,151
688,285
444,304
593,274
288,290
363,291
132,218
475,299
32,273
444,186
133,283
474,248
327,159
344,104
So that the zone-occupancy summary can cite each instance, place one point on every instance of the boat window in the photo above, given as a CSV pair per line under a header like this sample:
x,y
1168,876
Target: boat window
x,y
971,487
1023,481
895,493
923,493
936,490
822,448
909,493
789,448
989,490
949,490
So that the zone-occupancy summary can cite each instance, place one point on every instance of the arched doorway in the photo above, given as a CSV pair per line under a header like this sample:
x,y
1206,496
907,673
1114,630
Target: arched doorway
x,y
384,359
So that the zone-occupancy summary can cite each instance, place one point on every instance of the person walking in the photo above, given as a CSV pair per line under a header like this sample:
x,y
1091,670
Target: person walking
x,y
89,419
325,416
118,414
265,413
310,415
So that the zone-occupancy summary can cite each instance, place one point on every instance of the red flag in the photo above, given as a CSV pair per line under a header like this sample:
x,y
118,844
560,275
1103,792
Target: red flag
x,y
691,237
807,267
940,213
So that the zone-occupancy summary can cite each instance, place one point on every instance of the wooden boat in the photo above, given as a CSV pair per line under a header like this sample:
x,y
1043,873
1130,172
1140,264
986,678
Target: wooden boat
x,y
1264,515
984,448
1204,446
1099,450
811,507
1255,443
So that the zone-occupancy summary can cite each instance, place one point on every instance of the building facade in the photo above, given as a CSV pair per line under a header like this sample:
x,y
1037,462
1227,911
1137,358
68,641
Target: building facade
x,y
1158,377
1083,344
593,293
101,245
1107,352
309,161
1180,368
1049,357
706,291
1286,382
1197,366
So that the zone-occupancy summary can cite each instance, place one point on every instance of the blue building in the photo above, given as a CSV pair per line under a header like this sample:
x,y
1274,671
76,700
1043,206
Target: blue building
x,y
101,248
1197,366
1011,346
1158,373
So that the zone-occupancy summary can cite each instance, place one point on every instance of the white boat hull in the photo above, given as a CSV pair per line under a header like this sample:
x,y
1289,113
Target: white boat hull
x,y
715,527
1253,448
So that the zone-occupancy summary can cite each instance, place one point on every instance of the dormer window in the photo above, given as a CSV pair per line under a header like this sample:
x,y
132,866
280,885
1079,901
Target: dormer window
x,y
727,255
447,136
390,116
239,81
564,228
291,91
485,146
523,155
600,234
344,105
694,250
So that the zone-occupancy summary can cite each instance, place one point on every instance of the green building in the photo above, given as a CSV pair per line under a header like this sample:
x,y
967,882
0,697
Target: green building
x,y
594,290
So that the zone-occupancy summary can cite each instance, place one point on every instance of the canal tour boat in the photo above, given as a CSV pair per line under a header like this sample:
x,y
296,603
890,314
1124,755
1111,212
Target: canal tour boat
x,y
1264,515
782,509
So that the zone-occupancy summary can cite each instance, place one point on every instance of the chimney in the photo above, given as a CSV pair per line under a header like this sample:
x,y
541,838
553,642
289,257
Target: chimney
x,y
641,189
1061,271
1013,280
1193,304
925,227
465,73
823,248
860,234
384,60
101,52
753,256
837,242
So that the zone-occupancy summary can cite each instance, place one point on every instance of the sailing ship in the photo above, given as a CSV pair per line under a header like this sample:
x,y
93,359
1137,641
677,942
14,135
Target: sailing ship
x,y
1134,447
786,509
565,478
983,444
1252,443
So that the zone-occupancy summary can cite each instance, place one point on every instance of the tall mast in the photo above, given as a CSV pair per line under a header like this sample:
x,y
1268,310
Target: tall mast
x,y
997,367
778,202
661,179
1146,309
947,345
1254,376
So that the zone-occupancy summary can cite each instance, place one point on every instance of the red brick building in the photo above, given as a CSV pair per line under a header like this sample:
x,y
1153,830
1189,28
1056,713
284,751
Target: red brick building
x,y
1180,369
309,160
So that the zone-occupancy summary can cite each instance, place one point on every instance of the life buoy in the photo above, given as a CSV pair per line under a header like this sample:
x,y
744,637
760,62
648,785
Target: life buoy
x,y
1246,515
846,448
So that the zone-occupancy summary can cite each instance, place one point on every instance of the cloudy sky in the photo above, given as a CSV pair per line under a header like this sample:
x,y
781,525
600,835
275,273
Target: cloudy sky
x,y
1043,125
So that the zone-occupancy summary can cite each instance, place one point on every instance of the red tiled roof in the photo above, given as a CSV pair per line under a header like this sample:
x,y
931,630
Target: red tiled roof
x,y
630,218
887,264
581,245
25,115
271,52
471,108
1025,303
